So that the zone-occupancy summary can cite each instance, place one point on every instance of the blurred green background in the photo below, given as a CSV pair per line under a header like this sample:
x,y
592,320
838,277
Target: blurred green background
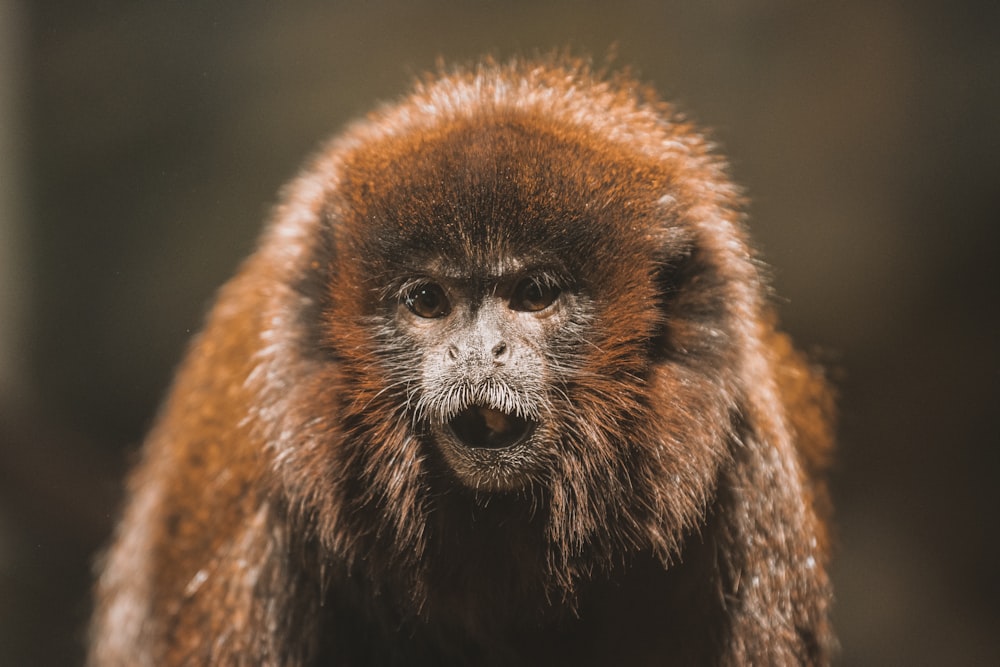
x,y
142,143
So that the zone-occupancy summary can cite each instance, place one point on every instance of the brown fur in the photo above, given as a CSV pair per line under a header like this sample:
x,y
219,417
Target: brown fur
x,y
290,510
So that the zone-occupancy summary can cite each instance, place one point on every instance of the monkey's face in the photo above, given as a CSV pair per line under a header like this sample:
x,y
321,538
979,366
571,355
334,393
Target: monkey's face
x,y
485,354
502,288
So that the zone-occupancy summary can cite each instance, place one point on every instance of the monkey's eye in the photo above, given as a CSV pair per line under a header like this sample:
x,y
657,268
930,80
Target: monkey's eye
x,y
427,300
532,295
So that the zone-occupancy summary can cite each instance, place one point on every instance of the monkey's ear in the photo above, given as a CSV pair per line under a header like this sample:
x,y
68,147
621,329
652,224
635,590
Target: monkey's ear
x,y
675,263
302,241
693,297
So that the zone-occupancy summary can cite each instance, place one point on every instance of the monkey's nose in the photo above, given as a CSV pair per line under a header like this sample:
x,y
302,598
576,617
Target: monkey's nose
x,y
474,354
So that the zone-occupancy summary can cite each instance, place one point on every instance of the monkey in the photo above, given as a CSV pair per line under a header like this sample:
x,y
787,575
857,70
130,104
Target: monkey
x,y
502,384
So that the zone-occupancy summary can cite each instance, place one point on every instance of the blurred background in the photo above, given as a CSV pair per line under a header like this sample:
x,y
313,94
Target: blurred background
x,y
142,143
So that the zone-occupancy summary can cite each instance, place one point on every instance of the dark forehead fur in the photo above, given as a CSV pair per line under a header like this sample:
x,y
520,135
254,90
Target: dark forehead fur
x,y
505,184
520,161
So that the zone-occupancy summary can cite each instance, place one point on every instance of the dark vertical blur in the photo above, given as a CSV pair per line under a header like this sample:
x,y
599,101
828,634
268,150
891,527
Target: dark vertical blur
x,y
142,143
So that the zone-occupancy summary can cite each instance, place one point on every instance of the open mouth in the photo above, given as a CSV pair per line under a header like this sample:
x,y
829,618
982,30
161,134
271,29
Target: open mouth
x,y
480,427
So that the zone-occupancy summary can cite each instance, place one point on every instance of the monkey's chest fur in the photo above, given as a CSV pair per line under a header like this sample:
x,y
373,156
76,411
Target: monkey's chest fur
x,y
489,606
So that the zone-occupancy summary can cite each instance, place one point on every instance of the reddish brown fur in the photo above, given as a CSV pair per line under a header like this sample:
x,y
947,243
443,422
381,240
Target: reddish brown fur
x,y
288,510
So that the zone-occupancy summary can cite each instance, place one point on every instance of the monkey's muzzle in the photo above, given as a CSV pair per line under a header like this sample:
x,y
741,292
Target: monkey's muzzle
x,y
480,427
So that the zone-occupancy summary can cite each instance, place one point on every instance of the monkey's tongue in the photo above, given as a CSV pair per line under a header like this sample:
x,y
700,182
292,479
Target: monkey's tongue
x,y
486,428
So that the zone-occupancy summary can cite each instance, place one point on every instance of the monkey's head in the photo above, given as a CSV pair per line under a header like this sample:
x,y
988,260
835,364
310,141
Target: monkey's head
x,y
522,282
492,251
